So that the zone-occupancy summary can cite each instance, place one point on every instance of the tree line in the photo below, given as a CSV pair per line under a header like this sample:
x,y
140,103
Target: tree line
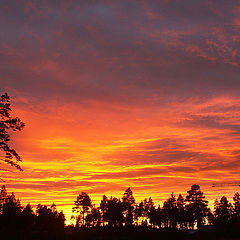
x,y
14,217
176,213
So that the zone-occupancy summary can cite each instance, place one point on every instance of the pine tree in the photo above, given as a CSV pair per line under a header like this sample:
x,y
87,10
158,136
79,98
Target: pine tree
x,y
128,205
82,205
197,204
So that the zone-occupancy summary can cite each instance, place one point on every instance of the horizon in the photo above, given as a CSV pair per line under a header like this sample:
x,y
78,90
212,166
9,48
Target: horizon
x,y
67,207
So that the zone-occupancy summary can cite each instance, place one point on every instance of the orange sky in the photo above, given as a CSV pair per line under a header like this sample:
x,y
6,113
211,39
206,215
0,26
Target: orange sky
x,y
103,149
127,94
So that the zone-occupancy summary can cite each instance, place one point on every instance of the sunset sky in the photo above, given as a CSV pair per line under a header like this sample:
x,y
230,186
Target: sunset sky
x,y
126,93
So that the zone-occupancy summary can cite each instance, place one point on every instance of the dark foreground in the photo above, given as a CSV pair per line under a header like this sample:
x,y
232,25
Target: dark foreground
x,y
122,233
116,219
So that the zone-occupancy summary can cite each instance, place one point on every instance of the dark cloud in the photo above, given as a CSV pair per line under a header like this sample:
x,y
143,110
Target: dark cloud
x,y
210,122
164,151
220,108
119,51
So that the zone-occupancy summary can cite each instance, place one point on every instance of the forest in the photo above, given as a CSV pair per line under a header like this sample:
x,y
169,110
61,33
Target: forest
x,y
122,218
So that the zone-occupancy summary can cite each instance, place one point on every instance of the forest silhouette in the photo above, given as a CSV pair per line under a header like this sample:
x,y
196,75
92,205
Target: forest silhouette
x,y
122,218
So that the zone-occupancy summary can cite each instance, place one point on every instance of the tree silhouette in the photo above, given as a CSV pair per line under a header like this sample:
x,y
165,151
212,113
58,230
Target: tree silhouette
x,y
158,217
128,205
8,123
93,218
3,196
223,211
181,213
236,203
103,208
170,211
149,211
175,214
11,212
211,218
49,218
43,220
27,217
152,215
15,219
58,218
114,213
197,205
138,211
189,216
147,205
82,205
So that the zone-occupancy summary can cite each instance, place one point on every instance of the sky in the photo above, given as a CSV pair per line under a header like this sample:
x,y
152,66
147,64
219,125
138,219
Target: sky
x,y
116,94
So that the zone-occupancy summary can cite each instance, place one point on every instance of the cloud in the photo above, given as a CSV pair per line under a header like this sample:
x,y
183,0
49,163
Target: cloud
x,y
210,122
89,51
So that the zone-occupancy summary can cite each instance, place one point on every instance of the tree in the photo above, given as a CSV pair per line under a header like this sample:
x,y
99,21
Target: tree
x,y
235,218
49,218
189,216
43,217
153,216
103,208
114,213
236,200
149,211
58,218
223,211
170,211
93,219
8,123
11,212
181,218
3,197
158,217
138,211
197,204
82,205
27,217
128,205
211,218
